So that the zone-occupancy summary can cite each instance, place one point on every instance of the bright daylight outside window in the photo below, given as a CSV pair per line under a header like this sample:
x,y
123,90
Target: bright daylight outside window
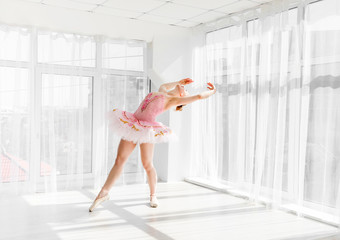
x,y
15,104
279,105
54,87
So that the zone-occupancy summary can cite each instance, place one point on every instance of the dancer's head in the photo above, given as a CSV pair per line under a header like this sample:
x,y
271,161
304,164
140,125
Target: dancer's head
x,y
179,91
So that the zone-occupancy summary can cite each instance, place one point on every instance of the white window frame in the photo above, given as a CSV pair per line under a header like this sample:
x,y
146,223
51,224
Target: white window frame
x,y
36,70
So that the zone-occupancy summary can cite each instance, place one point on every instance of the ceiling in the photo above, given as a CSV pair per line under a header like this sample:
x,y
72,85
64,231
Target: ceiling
x,y
182,13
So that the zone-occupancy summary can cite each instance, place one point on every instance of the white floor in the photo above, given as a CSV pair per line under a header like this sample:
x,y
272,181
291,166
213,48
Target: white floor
x,y
186,212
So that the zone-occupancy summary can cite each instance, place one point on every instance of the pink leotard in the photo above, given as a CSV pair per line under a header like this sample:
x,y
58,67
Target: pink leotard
x,y
141,126
150,108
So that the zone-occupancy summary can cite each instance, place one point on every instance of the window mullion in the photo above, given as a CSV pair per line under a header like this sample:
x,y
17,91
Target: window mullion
x,y
98,133
35,110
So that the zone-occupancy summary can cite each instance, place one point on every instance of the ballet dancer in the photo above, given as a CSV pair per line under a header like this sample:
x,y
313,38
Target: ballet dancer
x,y
141,128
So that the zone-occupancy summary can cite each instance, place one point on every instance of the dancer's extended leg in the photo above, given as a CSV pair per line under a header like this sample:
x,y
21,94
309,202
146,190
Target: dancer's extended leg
x,y
125,148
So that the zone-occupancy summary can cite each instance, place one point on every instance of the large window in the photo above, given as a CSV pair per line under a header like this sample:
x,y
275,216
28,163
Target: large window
x,y
51,94
278,77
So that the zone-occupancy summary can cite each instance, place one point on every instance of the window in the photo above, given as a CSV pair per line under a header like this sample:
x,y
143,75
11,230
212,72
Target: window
x,y
224,61
47,103
66,124
323,139
123,56
280,96
66,49
15,103
14,124
15,43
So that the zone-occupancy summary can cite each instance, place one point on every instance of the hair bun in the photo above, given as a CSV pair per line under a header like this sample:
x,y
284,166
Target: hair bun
x,y
179,108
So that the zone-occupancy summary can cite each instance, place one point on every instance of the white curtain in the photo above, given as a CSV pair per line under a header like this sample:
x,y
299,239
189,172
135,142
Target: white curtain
x,y
55,90
15,108
124,86
272,130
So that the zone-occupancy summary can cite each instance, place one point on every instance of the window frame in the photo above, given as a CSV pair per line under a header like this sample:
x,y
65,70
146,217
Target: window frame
x,y
36,70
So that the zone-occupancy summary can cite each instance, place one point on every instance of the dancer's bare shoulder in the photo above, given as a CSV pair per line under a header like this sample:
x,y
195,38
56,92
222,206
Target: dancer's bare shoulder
x,y
167,96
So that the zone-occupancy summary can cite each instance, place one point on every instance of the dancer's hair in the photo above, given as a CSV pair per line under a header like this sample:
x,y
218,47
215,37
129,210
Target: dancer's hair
x,y
179,108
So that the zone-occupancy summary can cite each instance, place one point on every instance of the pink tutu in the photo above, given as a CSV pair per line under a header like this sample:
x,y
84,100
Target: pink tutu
x,y
128,127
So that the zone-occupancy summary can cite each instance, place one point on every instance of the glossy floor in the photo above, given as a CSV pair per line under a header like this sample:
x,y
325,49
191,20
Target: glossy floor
x,y
186,212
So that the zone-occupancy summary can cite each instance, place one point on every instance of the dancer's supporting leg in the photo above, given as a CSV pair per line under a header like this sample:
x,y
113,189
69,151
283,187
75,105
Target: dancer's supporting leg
x,y
147,150
125,148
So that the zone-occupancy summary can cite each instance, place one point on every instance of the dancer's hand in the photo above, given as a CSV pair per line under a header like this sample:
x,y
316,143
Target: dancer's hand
x,y
206,94
186,81
211,86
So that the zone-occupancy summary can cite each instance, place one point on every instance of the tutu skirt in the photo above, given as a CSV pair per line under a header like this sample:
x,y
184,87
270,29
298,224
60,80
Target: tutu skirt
x,y
129,128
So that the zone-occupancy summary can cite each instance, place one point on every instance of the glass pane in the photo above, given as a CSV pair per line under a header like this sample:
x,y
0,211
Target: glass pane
x,y
224,62
323,153
324,29
66,49
14,44
14,124
126,93
322,170
66,128
123,56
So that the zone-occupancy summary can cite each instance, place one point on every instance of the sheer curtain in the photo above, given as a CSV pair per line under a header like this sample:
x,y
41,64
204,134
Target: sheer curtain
x,y
125,85
15,105
15,110
55,90
64,109
271,130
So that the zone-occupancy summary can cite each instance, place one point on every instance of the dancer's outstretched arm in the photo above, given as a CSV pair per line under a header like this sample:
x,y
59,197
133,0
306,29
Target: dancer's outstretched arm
x,y
176,101
167,86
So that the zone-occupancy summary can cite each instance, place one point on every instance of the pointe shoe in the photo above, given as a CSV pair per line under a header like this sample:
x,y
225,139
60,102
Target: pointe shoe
x,y
98,201
153,201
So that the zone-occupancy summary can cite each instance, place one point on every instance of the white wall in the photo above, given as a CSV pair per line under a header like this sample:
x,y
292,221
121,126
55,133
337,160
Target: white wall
x,y
172,62
171,58
179,152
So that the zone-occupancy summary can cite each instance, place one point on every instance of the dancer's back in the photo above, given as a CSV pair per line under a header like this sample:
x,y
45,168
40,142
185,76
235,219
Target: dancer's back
x,y
150,107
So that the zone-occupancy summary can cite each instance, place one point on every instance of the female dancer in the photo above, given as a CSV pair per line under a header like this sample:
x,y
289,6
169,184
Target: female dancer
x,y
141,127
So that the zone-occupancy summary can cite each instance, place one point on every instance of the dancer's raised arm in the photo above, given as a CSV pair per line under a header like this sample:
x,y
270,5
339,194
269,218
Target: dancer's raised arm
x,y
167,86
176,101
